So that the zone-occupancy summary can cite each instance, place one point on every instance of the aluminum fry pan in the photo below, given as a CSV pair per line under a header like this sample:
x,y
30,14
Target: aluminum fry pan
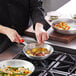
x,y
34,45
70,22
17,63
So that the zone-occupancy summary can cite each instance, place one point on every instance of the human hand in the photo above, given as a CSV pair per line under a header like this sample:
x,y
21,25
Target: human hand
x,y
12,35
41,34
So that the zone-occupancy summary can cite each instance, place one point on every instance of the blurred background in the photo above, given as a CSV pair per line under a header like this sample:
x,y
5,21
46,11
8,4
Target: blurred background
x,y
52,5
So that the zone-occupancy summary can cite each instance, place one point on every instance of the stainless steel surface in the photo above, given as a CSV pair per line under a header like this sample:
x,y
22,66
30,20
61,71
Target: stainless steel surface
x,y
70,22
34,45
18,63
11,52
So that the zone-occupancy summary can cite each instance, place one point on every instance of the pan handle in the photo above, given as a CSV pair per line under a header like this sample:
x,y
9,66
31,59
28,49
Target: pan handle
x,y
23,42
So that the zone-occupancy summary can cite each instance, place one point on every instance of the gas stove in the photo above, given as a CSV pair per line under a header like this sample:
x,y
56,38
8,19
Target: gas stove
x,y
60,63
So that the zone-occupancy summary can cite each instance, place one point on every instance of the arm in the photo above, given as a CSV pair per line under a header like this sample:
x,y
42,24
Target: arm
x,y
5,21
2,29
37,13
10,33
39,23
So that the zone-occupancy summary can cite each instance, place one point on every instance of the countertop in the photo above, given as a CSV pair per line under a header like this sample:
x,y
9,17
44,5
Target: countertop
x,y
66,11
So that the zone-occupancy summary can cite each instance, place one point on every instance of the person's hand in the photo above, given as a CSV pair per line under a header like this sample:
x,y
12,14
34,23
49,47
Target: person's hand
x,y
12,35
41,34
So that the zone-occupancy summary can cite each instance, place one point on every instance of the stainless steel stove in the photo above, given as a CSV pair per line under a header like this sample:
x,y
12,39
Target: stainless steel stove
x,y
61,63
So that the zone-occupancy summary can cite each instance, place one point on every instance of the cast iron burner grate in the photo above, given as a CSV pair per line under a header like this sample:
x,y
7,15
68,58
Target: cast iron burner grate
x,y
58,64
66,66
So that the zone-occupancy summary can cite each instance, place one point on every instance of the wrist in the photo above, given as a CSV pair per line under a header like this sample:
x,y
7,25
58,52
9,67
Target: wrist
x,y
39,26
2,29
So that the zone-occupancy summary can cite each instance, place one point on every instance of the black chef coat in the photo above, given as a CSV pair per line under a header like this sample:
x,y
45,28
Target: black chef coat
x,y
16,14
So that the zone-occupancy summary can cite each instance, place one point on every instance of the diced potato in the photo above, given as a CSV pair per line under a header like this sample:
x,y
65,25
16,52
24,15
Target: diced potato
x,y
31,54
28,51
34,50
37,51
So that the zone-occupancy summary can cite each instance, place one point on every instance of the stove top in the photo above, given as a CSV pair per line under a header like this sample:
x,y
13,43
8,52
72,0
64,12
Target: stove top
x,y
58,64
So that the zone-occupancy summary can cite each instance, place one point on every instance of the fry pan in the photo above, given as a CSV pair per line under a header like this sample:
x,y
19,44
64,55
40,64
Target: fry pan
x,y
16,63
35,45
70,22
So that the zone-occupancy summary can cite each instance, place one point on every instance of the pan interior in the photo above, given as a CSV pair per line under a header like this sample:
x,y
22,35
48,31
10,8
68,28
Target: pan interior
x,y
17,63
29,46
70,22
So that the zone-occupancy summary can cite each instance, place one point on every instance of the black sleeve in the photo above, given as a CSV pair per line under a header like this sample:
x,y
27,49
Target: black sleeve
x,y
37,13
4,16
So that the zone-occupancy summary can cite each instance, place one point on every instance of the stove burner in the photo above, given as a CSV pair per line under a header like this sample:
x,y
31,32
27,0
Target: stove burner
x,y
58,64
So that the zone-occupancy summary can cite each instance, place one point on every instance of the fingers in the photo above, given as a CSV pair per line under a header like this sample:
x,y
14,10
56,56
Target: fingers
x,y
12,35
39,38
42,37
15,37
41,34
18,38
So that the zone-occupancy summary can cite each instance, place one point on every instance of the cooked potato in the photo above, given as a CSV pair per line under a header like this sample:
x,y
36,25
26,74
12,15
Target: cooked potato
x,y
28,51
34,50
37,52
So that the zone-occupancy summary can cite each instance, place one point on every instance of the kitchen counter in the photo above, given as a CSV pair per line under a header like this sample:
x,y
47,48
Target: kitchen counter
x,y
66,11
11,52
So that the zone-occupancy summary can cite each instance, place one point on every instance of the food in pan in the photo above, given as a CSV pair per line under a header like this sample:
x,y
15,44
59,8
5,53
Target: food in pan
x,y
38,52
14,71
62,26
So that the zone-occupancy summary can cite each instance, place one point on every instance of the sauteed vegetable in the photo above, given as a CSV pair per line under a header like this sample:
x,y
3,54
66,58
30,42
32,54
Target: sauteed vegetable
x,y
62,26
14,71
37,52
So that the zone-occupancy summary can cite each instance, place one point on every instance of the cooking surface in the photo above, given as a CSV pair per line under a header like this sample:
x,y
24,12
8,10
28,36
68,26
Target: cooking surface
x,y
61,63
58,64
11,52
